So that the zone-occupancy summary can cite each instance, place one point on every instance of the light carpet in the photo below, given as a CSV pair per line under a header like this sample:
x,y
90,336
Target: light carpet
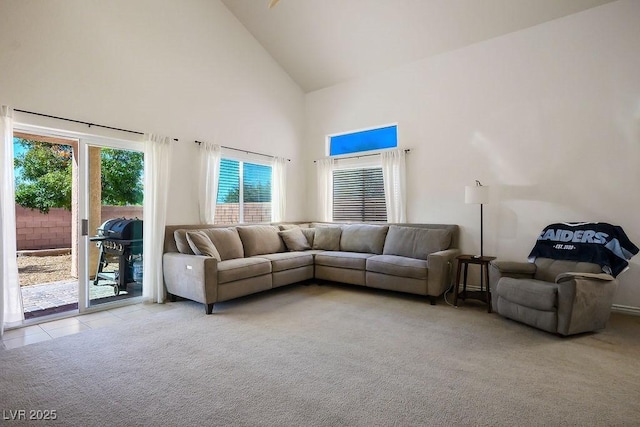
x,y
328,356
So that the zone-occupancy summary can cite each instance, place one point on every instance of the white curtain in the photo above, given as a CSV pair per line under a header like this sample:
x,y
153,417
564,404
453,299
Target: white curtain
x,y
157,165
394,176
209,177
279,189
10,297
324,168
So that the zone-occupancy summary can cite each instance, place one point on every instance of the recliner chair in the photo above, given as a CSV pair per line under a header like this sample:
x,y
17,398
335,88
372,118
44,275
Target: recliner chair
x,y
563,297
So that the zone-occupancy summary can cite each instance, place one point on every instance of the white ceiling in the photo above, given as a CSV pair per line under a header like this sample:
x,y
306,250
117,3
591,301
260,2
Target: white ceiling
x,y
324,42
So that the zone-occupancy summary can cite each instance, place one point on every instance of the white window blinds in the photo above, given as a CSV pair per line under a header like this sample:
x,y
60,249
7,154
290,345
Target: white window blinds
x,y
358,195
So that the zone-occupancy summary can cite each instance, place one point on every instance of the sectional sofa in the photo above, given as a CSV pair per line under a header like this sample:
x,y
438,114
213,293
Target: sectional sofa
x,y
210,264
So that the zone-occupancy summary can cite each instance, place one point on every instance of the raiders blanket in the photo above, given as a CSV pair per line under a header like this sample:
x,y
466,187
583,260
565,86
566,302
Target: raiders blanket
x,y
596,242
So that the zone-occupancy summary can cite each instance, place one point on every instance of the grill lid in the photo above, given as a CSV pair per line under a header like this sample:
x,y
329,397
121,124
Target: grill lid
x,y
121,229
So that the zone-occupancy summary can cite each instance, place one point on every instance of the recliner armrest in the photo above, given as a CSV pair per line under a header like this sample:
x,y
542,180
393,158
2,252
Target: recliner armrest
x,y
512,269
507,268
584,301
562,277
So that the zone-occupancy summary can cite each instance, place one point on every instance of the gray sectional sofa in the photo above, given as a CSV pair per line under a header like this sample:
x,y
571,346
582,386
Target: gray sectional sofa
x,y
209,264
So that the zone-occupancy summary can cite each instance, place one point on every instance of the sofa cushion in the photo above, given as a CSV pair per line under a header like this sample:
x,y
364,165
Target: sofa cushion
x,y
242,268
414,242
531,293
327,238
288,260
227,241
180,235
201,244
353,260
294,239
364,238
399,266
261,239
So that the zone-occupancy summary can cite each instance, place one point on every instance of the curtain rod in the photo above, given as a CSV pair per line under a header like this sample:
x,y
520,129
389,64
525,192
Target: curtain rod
x,y
81,122
244,151
406,150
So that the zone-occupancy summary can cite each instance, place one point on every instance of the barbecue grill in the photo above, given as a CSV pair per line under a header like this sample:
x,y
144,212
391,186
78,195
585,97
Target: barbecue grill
x,y
121,239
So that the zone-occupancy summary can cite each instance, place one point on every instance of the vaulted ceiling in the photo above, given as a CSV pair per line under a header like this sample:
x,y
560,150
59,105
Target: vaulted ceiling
x,y
320,43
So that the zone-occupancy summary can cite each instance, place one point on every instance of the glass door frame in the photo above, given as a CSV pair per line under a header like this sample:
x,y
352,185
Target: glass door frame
x,y
84,141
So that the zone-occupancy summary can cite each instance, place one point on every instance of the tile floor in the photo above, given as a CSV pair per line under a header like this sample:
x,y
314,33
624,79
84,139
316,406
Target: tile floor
x,y
71,325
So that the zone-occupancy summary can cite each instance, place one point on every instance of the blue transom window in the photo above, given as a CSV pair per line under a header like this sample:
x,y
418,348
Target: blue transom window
x,y
366,140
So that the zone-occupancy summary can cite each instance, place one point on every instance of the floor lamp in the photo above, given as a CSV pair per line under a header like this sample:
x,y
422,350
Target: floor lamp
x,y
477,195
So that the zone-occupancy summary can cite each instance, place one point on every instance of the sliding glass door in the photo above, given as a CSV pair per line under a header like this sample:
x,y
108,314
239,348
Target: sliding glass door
x,y
79,206
111,214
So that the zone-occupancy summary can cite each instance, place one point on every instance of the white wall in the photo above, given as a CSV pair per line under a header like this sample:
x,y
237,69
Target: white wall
x,y
549,117
182,68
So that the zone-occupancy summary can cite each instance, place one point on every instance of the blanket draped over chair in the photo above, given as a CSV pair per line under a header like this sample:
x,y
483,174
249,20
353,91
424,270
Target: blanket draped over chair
x,y
595,242
567,287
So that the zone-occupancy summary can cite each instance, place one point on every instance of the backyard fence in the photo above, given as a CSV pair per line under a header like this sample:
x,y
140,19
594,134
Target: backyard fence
x,y
35,230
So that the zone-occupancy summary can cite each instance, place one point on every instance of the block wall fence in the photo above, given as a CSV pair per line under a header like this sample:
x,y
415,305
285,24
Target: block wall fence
x,y
35,230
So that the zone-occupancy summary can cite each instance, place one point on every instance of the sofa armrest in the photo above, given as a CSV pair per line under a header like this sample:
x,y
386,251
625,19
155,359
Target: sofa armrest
x,y
440,271
194,277
584,301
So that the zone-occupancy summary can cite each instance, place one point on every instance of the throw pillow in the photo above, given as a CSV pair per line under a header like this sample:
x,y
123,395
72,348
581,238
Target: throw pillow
x,y
327,238
295,239
180,236
287,226
201,244
227,241
309,233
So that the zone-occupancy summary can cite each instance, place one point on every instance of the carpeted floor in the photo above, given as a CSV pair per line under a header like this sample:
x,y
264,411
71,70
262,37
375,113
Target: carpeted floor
x,y
328,356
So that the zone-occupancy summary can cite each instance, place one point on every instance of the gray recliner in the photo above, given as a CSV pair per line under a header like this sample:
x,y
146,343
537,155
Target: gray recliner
x,y
563,297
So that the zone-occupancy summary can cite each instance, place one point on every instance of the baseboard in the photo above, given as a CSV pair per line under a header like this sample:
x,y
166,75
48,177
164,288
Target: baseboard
x,y
615,308
625,309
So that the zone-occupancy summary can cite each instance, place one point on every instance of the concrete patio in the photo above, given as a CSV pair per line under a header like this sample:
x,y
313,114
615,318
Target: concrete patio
x,y
48,296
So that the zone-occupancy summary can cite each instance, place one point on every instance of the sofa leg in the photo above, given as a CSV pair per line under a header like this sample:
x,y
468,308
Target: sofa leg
x,y
171,297
209,308
432,300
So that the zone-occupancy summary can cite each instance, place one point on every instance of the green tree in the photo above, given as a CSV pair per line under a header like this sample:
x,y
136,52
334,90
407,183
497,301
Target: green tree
x,y
44,178
252,193
121,177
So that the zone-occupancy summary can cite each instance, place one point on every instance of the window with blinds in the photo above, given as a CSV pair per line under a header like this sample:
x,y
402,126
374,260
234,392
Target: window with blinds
x,y
358,195
244,192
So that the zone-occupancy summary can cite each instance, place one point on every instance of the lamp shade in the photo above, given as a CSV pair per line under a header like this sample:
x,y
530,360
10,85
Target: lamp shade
x,y
476,194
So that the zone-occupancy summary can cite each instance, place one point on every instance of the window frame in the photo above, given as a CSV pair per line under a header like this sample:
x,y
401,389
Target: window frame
x,y
328,137
360,159
358,164
243,158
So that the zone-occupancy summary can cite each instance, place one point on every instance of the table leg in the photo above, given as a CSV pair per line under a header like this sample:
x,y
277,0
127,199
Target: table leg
x,y
464,282
457,284
488,293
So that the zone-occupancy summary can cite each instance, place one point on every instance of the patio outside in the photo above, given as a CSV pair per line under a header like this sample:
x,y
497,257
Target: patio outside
x,y
47,286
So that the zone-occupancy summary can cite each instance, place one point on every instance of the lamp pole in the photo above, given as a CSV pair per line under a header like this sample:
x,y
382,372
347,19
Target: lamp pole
x,y
481,235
